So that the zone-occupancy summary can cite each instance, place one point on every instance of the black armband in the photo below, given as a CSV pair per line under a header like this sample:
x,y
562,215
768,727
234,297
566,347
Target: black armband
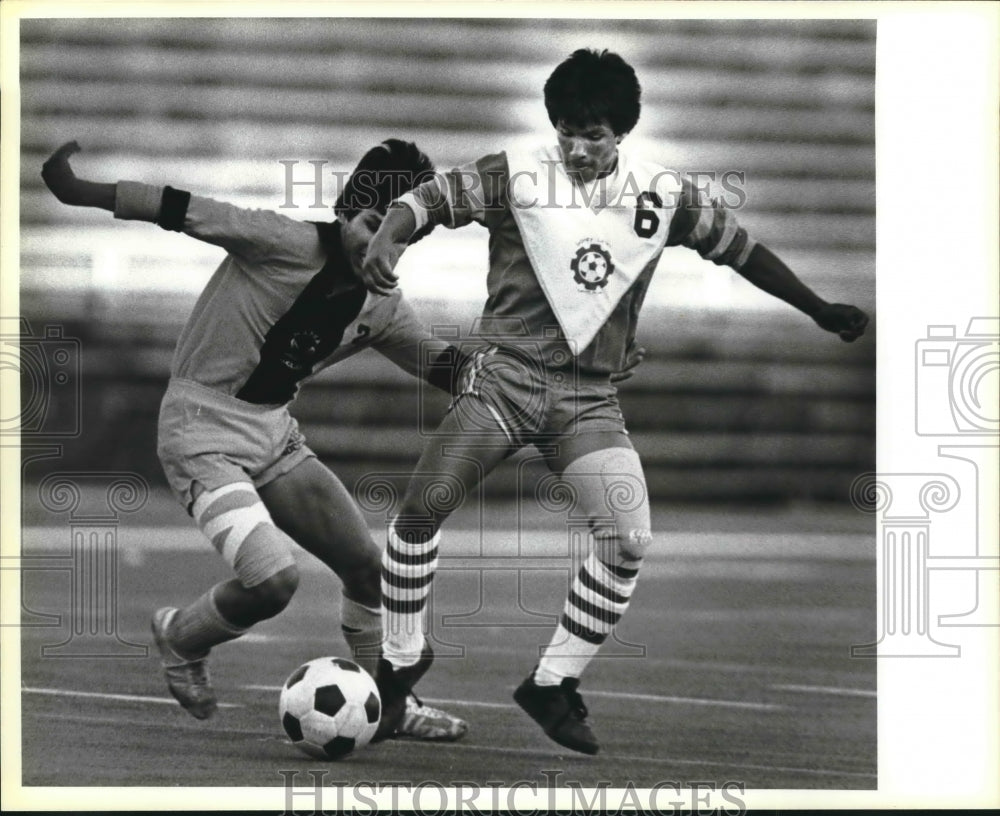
x,y
173,209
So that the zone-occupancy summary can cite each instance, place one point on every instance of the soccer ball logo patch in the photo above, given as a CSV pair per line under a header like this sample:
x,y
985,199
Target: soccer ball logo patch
x,y
302,350
592,267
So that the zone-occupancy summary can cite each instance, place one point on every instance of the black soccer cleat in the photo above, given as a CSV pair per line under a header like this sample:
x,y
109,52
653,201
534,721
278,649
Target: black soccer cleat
x,y
394,686
560,711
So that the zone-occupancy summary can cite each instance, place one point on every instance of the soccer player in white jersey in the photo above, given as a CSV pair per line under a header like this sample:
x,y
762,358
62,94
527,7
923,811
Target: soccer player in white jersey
x,y
576,229
284,304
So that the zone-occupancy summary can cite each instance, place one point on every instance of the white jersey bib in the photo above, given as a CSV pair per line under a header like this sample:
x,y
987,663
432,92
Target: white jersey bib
x,y
589,245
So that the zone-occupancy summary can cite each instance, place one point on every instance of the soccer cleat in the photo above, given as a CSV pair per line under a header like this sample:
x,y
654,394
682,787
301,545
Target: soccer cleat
x,y
394,686
422,722
188,680
560,711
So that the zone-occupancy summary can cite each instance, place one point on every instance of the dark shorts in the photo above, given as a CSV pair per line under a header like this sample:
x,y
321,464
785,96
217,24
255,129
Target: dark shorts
x,y
214,439
564,415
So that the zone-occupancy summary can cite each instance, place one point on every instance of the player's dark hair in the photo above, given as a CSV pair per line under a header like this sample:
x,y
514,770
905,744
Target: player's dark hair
x,y
384,173
593,85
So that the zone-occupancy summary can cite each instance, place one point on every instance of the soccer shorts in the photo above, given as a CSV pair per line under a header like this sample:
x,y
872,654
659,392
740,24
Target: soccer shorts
x,y
565,415
214,439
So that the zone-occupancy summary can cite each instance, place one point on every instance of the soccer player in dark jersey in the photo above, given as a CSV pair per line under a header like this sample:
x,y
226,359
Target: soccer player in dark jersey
x,y
576,229
284,304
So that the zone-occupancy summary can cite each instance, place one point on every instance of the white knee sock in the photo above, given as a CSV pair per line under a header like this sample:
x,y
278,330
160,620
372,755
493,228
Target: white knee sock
x,y
598,598
407,572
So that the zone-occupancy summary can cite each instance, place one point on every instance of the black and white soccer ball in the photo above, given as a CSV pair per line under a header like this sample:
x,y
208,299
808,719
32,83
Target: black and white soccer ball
x,y
330,707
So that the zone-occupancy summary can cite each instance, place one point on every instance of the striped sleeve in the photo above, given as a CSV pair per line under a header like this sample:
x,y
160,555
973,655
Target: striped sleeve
x,y
710,229
462,195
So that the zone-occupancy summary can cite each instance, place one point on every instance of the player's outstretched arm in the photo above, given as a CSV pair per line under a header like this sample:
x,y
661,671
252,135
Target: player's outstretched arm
x,y
385,248
252,234
768,272
59,177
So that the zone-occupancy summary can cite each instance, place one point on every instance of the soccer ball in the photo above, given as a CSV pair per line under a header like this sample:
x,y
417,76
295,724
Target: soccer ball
x,y
330,707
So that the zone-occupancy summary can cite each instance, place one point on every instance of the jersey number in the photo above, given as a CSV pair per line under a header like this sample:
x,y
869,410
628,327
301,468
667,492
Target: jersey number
x,y
647,222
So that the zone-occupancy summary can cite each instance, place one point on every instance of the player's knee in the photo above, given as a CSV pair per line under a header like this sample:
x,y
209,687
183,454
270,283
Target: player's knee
x,y
615,544
239,526
634,545
275,592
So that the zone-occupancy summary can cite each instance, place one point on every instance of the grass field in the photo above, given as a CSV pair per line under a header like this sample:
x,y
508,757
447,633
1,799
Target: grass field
x,y
733,664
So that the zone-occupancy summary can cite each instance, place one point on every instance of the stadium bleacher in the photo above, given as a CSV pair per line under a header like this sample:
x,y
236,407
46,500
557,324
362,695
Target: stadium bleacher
x,y
740,397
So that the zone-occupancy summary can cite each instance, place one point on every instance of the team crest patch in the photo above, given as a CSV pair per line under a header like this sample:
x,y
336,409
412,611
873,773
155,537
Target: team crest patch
x,y
303,346
592,266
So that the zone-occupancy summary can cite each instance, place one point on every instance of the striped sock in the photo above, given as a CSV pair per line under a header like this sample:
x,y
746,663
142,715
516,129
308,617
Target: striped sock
x,y
598,598
362,629
198,627
408,566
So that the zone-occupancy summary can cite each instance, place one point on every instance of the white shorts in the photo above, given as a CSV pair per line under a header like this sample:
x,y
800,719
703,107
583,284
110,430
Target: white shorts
x,y
214,439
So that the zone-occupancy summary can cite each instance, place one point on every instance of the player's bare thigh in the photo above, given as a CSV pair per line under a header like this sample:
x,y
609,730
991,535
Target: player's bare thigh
x,y
454,461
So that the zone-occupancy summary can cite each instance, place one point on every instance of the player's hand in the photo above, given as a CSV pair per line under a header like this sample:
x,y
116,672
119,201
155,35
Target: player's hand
x,y
59,176
633,357
847,321
377,272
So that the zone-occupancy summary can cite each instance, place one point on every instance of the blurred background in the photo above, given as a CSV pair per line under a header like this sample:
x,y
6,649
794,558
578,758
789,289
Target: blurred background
x,y
741,399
